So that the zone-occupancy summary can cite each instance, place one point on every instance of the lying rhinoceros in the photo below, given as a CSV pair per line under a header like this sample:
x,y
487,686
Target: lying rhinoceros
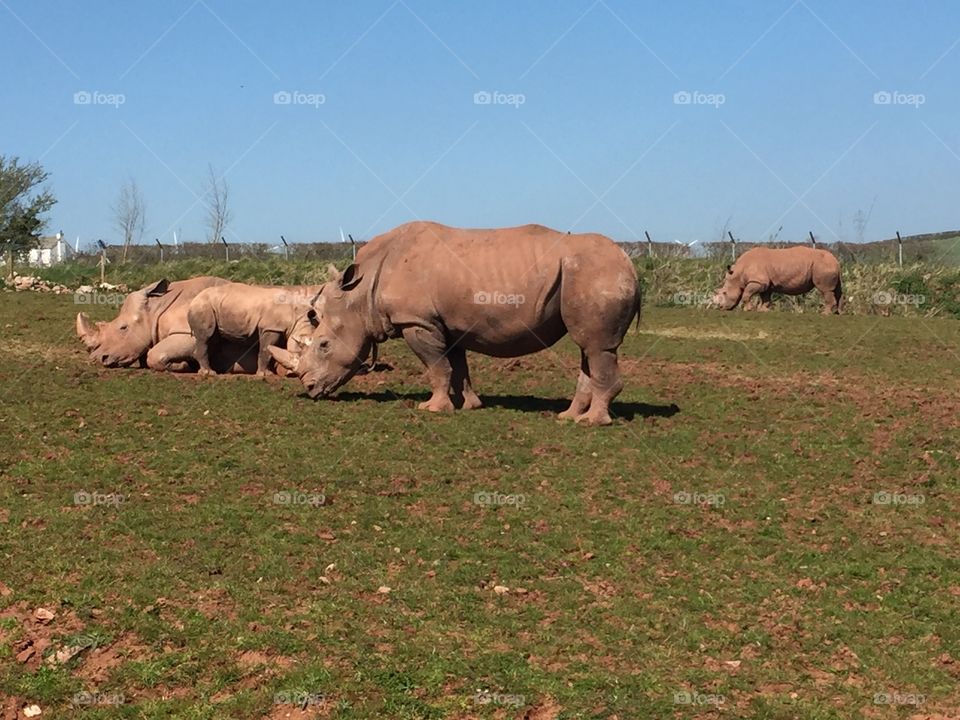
x,y
150,329
506,293
250,315
792,271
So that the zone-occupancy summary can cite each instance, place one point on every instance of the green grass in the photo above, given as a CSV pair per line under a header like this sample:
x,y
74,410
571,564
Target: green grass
x,y
797,596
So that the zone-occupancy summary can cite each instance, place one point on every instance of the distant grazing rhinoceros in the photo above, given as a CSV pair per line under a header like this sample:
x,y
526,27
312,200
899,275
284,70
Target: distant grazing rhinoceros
x,y
251,315
505,292
150,329
791,271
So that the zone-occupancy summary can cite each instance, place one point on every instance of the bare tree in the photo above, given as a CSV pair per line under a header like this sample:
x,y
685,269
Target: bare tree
x,y
129,215
860,220
216,196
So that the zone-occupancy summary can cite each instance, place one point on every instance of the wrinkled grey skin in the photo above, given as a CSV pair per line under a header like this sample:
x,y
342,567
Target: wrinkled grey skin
x,y
791,271
150,327
502,292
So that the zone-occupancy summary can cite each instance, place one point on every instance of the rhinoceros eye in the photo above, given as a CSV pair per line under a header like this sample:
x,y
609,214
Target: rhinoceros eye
x,y
123,327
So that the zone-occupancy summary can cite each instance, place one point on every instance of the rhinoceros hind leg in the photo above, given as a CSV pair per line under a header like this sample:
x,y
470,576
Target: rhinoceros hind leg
x,y
460,380
831,301
605,385
581,396
429,346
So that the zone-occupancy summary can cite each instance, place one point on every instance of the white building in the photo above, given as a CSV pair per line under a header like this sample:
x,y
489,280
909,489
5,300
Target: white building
x,y
51,249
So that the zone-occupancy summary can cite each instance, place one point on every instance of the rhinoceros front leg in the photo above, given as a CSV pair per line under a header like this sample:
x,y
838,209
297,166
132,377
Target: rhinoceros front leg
x,y
460,380
749,292
267,338
429,345
172,354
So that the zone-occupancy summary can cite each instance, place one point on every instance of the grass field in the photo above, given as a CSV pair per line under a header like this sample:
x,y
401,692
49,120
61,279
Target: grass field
x,y
769,530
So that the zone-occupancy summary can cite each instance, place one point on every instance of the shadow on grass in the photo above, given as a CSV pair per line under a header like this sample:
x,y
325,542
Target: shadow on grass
x,y
522,403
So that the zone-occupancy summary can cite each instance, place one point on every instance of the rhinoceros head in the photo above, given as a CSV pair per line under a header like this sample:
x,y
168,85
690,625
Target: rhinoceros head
x,y
338,345
125,339
728,295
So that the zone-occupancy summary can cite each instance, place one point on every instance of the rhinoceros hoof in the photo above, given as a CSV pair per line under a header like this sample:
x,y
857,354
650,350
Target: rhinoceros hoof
x,y
205,372
594,419
472,403
436,406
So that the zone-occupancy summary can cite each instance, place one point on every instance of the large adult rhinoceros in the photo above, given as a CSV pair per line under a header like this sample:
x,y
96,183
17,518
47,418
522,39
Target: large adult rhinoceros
x,y
792,271
150,329
504,292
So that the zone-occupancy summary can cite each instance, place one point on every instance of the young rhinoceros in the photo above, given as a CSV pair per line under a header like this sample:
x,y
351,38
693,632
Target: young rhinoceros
x,y
792,271
248,313
505,292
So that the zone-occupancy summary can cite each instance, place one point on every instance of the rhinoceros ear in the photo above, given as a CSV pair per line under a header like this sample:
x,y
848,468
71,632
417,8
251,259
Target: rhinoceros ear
x,y
157,289
333,275
351,277
729,270
285,358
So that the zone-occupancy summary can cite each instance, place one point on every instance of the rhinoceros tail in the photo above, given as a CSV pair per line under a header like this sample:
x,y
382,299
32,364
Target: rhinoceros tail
x,y
838,295
639,308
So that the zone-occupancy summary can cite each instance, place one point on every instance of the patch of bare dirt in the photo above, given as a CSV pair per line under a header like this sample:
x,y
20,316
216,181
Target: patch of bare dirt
x,y
547,709
98,663
41,628
689,333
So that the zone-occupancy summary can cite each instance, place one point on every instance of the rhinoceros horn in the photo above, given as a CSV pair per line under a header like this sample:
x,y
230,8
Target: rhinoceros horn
x,y
88,333
285,358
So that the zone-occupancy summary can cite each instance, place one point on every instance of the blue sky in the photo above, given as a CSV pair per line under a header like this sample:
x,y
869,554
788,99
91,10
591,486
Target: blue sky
x,y
587,131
